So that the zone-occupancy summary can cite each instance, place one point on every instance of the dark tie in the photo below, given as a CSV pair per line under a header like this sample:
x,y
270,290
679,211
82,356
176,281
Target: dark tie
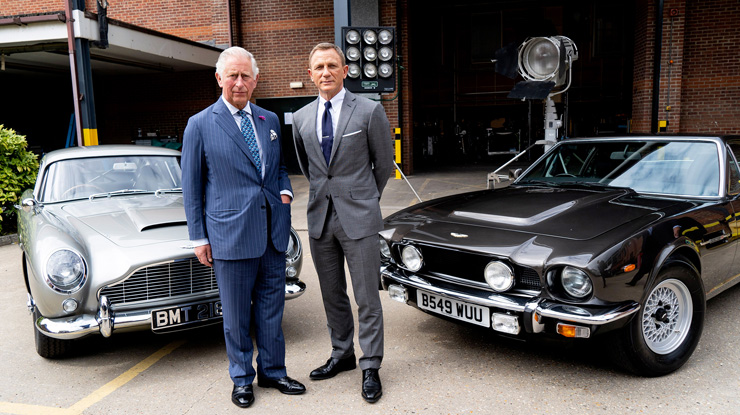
x,y
248,133
327,131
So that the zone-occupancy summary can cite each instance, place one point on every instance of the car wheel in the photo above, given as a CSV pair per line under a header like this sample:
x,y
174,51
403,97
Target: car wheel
x,y
661,337
48,347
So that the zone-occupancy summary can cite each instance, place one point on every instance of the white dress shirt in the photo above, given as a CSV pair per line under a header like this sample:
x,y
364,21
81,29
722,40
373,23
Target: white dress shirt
x,y
336,108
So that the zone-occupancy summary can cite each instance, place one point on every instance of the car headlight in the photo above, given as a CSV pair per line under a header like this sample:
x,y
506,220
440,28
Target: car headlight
x,y
411,258
66,271
499,276
385,249
294,247
575,282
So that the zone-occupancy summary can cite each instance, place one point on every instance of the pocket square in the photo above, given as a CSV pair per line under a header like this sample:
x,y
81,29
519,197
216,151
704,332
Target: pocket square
x,y
356,132
273,135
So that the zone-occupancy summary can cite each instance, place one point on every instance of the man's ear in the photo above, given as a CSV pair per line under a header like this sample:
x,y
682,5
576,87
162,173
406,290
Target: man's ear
x,y
218,79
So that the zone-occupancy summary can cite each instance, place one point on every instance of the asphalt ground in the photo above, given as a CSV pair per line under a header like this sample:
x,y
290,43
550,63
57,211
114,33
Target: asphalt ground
x,y
431,366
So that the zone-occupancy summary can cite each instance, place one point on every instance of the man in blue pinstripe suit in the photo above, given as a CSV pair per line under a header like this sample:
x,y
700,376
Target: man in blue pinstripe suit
x,y
237,200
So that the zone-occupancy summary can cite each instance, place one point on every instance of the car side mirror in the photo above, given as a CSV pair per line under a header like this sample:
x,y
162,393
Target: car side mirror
x,y
514,174
28,204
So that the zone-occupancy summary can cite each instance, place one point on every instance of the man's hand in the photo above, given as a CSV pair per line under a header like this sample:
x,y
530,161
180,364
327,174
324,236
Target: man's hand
x,y
203,253
286,198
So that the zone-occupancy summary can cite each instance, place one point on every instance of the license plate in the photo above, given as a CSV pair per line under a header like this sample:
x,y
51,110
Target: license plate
x,y
185,315
459,310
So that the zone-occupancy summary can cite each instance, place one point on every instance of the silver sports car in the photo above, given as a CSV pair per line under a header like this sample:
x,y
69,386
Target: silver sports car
x,y
106,248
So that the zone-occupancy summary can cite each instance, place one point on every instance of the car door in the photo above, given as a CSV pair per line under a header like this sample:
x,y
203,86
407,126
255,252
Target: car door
x,y
714,282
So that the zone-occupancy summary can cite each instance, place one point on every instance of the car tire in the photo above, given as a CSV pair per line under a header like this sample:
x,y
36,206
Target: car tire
x,y
661,337
48,347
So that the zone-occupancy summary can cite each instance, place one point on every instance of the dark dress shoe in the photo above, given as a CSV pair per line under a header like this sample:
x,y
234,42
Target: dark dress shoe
x,y
242,396
333,367
285,384
372,390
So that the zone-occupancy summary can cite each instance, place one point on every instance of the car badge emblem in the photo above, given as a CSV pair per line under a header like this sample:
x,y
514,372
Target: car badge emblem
x,y
458,235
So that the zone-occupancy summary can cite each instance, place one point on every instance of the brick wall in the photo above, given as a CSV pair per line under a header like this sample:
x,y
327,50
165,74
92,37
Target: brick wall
x,y
702,85
711,74
21,7
160,102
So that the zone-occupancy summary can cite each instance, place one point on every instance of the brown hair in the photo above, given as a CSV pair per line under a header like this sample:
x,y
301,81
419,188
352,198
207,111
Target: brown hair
x,y
326,46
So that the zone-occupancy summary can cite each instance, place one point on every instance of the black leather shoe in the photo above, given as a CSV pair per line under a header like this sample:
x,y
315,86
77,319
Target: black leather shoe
x,y
372,390
333,367
242,396
285,384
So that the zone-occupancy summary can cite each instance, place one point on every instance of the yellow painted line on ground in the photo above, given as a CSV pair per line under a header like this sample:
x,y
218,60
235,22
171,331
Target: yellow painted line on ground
x,y
95,397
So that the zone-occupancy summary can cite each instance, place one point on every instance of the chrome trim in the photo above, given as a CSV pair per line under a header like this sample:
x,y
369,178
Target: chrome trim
x,y
106,320
545,308
294,290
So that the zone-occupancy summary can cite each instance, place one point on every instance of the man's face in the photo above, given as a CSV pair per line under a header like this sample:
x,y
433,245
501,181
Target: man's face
x,y
238,81
327,72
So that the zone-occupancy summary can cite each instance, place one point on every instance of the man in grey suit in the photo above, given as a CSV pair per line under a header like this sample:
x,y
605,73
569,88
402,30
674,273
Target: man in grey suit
x,y
344,148
237,198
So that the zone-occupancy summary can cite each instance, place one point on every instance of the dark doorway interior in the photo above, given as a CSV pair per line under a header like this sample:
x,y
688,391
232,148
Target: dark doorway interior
x,y
285,107
461,110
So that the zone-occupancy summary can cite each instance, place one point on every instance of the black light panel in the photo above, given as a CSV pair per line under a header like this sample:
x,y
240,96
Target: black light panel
x,y
371,57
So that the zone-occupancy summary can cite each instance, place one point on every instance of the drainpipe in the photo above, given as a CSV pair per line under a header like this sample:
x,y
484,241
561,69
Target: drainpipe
x,y
656,67
228,19
73,69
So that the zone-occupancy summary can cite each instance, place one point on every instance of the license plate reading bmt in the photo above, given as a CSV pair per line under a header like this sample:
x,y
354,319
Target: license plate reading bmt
x,y
459,310
167,318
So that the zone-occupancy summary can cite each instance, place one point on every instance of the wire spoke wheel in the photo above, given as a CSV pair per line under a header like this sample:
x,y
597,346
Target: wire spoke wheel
x,y
667,316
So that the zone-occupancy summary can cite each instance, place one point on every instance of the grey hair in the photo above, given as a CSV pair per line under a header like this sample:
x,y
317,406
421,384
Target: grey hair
x,y
235,52
327,46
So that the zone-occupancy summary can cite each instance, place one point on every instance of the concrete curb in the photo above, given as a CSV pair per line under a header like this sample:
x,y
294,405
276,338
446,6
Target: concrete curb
x,y
8,239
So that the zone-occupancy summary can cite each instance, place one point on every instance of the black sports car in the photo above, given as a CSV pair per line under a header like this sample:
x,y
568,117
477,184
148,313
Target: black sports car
x,y
625,237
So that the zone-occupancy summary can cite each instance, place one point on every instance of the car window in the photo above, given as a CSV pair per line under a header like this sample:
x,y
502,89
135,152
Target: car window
x,y
673,168
733,173
80,178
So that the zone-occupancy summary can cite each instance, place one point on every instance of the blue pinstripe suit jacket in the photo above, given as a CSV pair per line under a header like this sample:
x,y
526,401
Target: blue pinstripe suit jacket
x,y
224,194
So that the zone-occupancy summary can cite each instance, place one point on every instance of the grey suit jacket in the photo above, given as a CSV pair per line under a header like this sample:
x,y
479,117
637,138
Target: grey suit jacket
x,y
360,165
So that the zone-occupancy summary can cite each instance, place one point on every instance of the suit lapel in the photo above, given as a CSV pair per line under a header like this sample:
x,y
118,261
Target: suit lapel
x,y
225,120
312,138
263,132
348,107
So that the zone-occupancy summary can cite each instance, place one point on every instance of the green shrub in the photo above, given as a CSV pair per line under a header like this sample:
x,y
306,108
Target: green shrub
x,y
18,168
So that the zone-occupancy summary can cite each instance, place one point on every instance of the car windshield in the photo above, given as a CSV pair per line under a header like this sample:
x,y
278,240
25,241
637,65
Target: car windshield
x,y
84,177
686,168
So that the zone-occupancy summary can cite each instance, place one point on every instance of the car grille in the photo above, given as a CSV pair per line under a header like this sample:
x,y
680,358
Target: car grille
x,y
468,266
158,282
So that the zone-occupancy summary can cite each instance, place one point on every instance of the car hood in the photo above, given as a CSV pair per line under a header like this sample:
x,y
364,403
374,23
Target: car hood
x,y
567,213
130,221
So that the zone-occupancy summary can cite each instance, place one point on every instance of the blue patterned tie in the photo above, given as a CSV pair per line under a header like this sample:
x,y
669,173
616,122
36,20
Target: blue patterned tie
x,y
248,133
327,130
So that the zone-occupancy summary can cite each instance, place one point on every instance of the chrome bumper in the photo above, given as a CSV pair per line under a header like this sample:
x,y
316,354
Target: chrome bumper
x,y
522,305
105,321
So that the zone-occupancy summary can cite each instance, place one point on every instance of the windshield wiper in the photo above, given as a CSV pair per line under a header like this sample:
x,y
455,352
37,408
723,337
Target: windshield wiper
x,y
538,182
120,192
159,192
597,185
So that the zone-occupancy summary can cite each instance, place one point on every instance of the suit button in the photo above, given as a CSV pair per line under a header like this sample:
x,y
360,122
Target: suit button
x,y
327,196
329,177
263,208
